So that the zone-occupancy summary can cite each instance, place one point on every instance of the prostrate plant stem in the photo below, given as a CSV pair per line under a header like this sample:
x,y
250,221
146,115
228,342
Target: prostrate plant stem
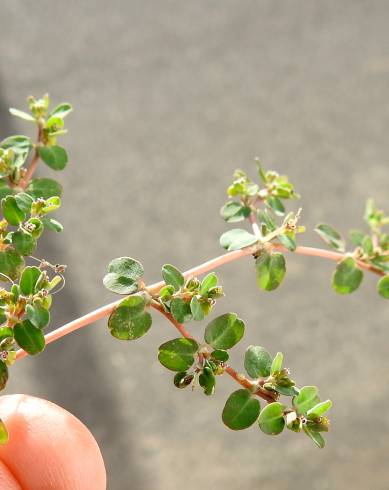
x,y
210,265
26,299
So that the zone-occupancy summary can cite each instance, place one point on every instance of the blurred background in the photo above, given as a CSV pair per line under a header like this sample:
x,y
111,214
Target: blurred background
x,y
170,98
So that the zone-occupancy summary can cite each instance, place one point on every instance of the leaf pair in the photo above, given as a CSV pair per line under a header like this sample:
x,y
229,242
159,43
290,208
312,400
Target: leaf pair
x,y
222,333
123,275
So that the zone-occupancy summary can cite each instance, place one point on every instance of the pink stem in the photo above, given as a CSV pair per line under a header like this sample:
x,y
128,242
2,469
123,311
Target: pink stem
x,y
200,269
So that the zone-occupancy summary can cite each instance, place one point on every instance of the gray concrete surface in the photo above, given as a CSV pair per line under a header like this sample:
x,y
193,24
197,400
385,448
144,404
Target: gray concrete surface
x,y
170,97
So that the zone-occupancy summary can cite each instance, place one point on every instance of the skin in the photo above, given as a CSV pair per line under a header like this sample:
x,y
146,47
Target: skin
x,y
48,448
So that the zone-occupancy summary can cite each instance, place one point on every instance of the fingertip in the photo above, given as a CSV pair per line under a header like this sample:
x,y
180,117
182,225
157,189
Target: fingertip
x,y
48,447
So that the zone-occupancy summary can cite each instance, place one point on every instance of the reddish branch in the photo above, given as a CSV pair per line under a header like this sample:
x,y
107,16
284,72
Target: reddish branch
x,y
240,378
34,162
200,269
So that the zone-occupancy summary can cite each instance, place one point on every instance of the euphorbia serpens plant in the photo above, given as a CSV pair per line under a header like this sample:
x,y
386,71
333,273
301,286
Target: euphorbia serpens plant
x,y
267,395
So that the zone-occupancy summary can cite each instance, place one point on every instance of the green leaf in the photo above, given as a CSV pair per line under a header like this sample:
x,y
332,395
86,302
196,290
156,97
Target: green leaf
x,y
37,230
178,354
257,361
51,204
44,188
320,409
166,292
331,237
233,211
6,333
288,241
286,390
276,205
29,279
367,245
316,437
241,410
5,190
29,337
62,110
347,277
54,156
129,321
261,172
38,316
236,239
196,309
22,114
131,329
54,125
11,212
3,433
126,266
209,282
224,331
383,287
220,355
52,224
172,276
182,379
123,275
270,270
181,310
266,220
276,365
24,201
11,264
3,316
306,399
3,375
216,293
15,293
120,284
19,143
207,381
271,419
356,237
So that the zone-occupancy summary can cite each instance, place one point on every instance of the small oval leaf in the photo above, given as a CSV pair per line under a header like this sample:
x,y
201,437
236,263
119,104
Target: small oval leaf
x,y
11,212
383,287
224,331
306,399
320,409
172,276
257,361
271,419
270,270
23,242
29,337
29,279
54,156
237,239
181,310
241,410
178,354
347,277
330,236
196,309
44,188
38,316
276,365
11,264
129,321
